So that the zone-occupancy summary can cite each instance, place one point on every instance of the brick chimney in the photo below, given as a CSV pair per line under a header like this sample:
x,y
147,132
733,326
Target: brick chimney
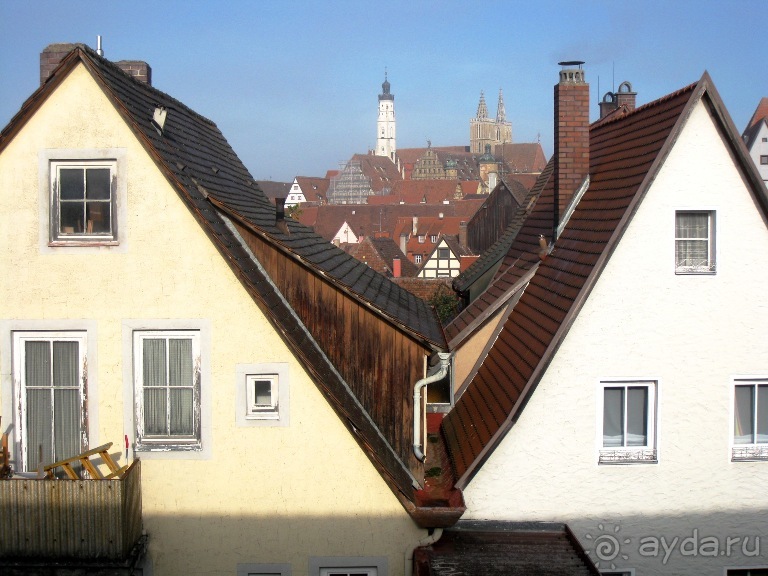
x,y
625,96
53,54
608,104
397,268
571,135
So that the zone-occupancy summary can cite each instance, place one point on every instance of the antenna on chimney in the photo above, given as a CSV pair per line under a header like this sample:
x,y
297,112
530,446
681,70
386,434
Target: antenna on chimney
x,y
99,51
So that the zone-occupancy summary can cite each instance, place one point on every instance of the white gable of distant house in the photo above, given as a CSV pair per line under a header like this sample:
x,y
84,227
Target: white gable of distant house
x,y
345,235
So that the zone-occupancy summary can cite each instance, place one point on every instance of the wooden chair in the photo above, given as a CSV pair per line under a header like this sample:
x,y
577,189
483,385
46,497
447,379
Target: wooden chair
x,y
89,466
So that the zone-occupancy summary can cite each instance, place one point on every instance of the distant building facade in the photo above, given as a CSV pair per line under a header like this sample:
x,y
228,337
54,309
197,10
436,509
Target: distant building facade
x,y
484,130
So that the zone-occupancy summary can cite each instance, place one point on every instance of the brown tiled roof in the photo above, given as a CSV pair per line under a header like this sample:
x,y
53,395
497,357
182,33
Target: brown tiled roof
x,y
423,288
761,113
420,192
477,547
313,187
379,254
521,157
380,169
213,183
625,155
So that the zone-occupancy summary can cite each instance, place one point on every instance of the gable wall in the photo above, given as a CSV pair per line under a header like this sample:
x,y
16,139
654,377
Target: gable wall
x,y
760,148
255,495
692,334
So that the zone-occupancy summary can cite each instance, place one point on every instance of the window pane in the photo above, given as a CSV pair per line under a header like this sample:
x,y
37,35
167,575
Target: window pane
x,y
39,428
154,362
744,409
637,416
37,363
181,412
71,184
762,414
263,392
98,217
692,225
155,412
613,417
180,362
71,217
66,423
65,362
97,184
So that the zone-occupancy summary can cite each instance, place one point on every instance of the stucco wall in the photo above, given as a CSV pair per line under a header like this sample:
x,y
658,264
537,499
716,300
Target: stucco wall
x,y
258,495
692,334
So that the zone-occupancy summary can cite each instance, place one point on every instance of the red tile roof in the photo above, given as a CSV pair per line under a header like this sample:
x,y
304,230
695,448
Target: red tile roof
x,y
314,188
625,154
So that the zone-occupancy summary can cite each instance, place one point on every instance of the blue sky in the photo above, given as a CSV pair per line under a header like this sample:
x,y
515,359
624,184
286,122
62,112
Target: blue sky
x,y
293,85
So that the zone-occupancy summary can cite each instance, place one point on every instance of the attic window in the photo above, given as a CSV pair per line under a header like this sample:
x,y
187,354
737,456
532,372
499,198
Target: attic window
x,y
83,203
695,242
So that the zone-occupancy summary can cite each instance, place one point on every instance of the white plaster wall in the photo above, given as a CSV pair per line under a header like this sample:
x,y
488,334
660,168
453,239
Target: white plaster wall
x,y
264,495
692,334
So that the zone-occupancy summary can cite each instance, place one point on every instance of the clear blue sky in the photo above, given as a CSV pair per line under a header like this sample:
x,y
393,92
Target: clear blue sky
x,y
293,85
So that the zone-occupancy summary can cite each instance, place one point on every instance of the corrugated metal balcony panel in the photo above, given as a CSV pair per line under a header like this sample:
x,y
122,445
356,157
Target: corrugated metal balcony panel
x,y
67,519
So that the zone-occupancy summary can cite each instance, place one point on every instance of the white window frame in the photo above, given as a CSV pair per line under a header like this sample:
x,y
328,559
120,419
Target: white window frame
x,y
710,267
19,338
369,565
646,454
752,451
57,236
417,258
264,569
48,161
146,442
278,412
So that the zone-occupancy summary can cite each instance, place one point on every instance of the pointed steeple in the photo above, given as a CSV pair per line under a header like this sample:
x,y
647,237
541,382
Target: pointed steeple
x,y
501,115
482,109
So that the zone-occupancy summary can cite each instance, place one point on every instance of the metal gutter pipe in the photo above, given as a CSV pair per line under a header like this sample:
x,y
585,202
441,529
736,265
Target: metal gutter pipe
x,y
439,375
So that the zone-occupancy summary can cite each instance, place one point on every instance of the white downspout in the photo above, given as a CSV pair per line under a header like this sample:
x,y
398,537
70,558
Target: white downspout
x,y
444,360
427,541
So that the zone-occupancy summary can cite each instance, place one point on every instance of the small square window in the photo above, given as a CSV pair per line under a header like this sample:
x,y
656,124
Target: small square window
x,y
433,239
83,202
443,253
764,159
694,242
750,419
417,258
422,239
262,393
628,422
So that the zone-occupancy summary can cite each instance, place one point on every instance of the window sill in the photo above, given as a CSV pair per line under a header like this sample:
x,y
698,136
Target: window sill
x,y
83,243
628,456
168,447
755,453
695,272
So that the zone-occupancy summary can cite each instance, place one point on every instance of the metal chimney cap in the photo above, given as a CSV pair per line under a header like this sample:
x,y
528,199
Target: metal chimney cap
x,y
571,63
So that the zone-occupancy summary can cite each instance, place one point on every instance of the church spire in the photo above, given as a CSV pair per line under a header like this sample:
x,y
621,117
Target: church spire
x,y
501,115
482,109
385,127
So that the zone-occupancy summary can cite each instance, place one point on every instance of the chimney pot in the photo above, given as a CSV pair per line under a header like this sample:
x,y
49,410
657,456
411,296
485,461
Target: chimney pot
x,y
397,269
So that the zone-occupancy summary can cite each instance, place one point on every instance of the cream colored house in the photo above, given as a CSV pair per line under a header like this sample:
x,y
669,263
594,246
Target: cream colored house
x,y
625,391
153,296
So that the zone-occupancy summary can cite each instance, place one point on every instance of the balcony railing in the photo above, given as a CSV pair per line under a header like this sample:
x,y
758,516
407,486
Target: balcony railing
x,y
71,521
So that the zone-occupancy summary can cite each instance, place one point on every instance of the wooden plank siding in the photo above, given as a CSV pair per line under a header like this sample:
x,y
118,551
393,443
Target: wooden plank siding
x,y
379,361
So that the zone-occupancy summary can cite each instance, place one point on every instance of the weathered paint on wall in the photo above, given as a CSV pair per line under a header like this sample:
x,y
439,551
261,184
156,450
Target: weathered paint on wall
x,y
691,333
261,495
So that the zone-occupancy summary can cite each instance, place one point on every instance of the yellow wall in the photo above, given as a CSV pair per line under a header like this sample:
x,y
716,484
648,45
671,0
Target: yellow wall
x,y
265,495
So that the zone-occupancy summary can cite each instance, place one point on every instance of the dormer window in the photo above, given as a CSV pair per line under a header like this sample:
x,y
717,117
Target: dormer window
x,y
83,202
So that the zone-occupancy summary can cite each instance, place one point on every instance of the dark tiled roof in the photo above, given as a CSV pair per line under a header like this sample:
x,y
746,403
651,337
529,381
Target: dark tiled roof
x,y
274,189
504,549
624,156
522,157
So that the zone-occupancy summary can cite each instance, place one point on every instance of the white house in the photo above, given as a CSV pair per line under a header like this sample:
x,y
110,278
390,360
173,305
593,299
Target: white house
x,y
756,138
626,393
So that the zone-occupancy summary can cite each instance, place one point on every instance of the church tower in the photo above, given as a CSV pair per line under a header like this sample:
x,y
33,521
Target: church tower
x,y
484,130
385,127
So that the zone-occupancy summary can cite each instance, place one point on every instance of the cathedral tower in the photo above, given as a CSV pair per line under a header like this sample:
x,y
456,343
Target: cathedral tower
x,y
485,130
385,127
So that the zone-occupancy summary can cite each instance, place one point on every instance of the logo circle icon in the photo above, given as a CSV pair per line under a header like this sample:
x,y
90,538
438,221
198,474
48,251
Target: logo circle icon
x,y
606,547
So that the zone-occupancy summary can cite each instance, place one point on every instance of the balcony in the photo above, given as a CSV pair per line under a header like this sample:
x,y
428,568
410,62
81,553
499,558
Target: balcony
x,y
92,526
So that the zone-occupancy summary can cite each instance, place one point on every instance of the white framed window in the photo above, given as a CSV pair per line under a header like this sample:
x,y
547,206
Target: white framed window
x,y
348,566
50,391
433,239
417,258
422,239
262,394
167,374
83,201
694,241
628,427
264,570
750,419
